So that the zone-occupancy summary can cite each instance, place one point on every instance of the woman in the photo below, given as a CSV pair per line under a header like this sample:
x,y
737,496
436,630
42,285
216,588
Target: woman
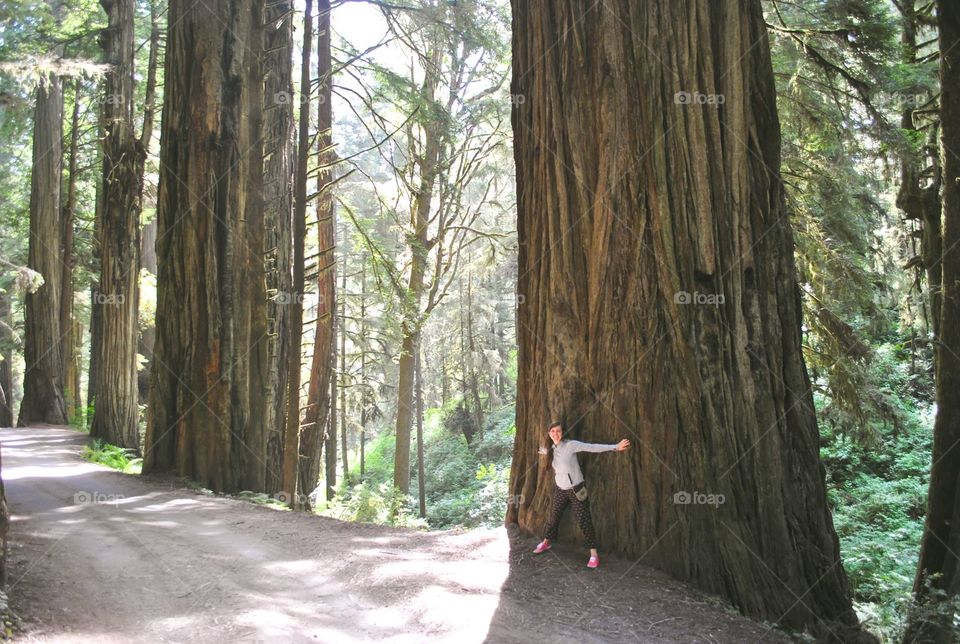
x,y
570,488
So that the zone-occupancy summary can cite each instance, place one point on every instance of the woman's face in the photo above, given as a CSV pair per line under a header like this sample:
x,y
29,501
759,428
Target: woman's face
x,y
556,434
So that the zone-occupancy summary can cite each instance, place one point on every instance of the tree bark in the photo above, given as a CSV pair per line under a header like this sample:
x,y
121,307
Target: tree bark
x,y
6,360
115,415
315,422
937,583
278,217
660,302
292,429
343,371
70,357
207,409
43,375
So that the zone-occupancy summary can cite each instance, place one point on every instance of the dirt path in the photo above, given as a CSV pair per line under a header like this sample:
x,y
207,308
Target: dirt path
x,y
100,556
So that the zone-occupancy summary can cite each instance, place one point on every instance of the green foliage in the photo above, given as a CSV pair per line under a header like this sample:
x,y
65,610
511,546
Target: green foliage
x,y
878,495
112,456
382,504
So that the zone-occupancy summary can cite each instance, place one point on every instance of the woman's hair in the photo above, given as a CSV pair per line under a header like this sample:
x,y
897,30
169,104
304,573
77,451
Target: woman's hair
x,y
549,442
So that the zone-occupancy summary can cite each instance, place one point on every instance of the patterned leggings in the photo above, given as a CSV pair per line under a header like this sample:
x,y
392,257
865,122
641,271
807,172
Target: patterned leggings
x,y
561,498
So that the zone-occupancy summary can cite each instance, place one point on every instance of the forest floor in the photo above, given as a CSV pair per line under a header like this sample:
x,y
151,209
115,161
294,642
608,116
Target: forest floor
x,y
96,555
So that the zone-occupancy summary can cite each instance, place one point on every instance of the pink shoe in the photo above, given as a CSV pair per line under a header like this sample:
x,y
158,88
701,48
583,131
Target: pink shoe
x,y
543,546
594,562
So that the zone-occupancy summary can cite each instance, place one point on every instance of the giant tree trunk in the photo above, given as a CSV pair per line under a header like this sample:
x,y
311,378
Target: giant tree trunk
x,y
278,220
939,565
207,408
42,380
6,361
660,303
115,415
322,365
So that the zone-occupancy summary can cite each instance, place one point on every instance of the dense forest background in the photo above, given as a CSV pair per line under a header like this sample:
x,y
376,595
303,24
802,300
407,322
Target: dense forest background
x,y
397,117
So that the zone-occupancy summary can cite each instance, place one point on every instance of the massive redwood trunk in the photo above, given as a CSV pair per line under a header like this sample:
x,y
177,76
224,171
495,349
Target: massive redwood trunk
x,y
116,412
938,572
659,300
207,404
42,380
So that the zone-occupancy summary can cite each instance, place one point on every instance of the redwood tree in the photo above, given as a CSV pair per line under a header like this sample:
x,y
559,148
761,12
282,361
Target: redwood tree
x,y
116,410
659,301
42,380
207,405
938,573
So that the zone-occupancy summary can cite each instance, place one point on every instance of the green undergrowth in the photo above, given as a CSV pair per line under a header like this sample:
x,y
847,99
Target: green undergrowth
x,y
112,456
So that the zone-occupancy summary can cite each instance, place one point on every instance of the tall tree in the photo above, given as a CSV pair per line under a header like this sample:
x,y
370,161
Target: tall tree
x,y
660,299
937,583
278,218
70,353
292,428
116,412
323,363
207,408
42,381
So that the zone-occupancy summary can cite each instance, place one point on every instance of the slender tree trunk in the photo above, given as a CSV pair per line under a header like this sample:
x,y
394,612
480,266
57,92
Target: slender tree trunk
x,y
322,366
364,398
421,471
410,323
42,380
330,436
207,409
148,234
278,215
70,357
660,300
6,353
115,417
937,582
343,370
473,379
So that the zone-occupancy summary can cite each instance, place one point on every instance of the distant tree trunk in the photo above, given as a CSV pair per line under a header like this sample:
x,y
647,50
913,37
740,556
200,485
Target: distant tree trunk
x,y
115,416
322,366
148,234
473,378
70,356
330,436
421,468
410,322
6,353
364,398
278,216
42,379
918,195
660,300
207,408
343,370
938,572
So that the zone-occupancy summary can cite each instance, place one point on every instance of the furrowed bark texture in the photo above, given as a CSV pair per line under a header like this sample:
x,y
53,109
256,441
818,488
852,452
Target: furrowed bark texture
x,y
116,412
659,302
207,408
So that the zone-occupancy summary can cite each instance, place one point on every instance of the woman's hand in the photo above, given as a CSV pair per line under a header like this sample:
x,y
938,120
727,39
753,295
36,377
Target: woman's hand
x,y
622,445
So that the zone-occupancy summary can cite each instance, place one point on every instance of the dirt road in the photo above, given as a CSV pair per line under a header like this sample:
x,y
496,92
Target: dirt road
x,y
101,556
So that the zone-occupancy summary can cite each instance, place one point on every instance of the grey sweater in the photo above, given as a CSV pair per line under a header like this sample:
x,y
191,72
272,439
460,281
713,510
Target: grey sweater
x,y
566,468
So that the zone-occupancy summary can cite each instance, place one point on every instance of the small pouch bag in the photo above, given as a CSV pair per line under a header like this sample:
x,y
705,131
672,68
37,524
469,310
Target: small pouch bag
x,y
581,492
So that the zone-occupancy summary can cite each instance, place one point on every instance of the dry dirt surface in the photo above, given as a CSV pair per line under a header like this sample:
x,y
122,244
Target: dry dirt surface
x,y
99,556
